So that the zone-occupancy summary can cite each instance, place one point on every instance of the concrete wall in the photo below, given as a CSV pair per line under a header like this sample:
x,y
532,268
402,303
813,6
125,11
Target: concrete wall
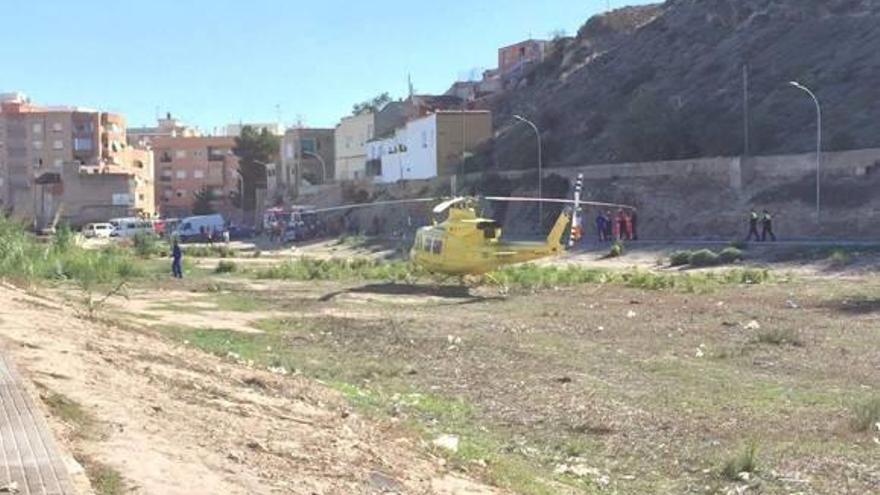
x,y
710,198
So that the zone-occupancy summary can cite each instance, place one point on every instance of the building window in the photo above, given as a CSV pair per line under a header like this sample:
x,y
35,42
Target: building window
x,y
216,154
199,174
57,127
59,162
140,197
308,145
58,144
82,144
165,157
38,128
180,154
181,174
38,145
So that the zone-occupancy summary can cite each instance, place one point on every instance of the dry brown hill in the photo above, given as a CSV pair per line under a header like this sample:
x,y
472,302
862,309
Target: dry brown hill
x,y
666,82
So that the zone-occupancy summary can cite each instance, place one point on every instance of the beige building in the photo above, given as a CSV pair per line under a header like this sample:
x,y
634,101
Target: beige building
x,y
167,127
70,160
306,154
351,136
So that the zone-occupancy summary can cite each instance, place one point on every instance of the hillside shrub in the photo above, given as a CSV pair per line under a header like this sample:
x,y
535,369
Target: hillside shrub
x,y
226,267
730,255
703,258
679,258
147,245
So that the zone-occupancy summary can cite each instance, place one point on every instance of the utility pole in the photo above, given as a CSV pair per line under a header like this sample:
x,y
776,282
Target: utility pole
x,y
540,167
818,143
746,126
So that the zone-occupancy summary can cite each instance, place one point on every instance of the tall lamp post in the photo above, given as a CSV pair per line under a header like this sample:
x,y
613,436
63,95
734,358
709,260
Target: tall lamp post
x,y
540,166
323,164
818,143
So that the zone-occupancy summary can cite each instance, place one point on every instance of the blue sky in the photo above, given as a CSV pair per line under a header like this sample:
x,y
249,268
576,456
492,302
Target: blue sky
x,y
217,62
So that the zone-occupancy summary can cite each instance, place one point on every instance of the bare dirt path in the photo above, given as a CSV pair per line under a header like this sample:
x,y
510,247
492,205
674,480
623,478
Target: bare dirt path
x,y
173,420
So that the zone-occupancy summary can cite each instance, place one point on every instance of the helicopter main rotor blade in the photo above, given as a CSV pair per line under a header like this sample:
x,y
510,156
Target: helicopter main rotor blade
x,y
557,201
377,203
447,204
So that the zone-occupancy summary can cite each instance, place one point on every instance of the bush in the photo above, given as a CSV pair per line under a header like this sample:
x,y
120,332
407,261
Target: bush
x,y
226,267
780,337
147,245
63,238
866,415
216,251
745,462
616,250
730,255
703,258
839,259
679,258
25,259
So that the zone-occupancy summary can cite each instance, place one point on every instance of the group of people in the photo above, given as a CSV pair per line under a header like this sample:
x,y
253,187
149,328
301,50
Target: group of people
x,y
766,220
619,227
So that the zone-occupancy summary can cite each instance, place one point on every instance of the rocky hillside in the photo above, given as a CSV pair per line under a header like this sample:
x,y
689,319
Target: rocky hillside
x,y
666,82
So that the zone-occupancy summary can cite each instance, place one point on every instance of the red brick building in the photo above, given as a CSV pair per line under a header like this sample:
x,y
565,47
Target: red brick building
x,y
187,165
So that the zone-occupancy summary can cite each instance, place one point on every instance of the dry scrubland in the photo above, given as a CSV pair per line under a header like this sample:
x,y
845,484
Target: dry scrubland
x,y
262,379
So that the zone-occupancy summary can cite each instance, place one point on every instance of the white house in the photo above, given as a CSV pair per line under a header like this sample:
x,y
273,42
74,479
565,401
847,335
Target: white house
x,y
428,146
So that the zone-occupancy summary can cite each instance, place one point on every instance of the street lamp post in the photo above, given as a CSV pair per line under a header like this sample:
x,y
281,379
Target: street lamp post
x,y
323,165
818,143
540,166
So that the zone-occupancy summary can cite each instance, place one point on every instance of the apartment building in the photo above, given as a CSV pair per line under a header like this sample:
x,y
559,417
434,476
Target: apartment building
x,y
353,133
167,127
70,161
429,146
234,130
514,58
185,166
306,153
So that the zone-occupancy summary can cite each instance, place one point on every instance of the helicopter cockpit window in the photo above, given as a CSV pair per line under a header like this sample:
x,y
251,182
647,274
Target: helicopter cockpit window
x,y
490,229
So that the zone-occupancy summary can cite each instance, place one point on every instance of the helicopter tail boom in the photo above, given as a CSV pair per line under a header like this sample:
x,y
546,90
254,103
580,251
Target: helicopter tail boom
x,y
554,239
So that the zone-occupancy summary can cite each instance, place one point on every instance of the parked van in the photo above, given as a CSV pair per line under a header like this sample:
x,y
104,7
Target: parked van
x,y
198,228
129,227
97,230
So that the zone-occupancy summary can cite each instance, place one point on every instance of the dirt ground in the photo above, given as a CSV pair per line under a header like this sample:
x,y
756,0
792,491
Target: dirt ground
x,y
590,389
170,419
227,384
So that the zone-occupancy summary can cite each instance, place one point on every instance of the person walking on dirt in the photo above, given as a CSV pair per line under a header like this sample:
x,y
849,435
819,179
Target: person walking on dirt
x,y
177,258
767,227
753,226
600,227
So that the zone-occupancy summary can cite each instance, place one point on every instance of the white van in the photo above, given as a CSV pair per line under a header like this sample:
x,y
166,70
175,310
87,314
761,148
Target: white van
x,y
97,230
126,228
197,228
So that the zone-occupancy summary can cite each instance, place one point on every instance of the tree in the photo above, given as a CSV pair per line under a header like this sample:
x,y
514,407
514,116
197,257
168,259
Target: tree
x,y
372,105
254,150
202,205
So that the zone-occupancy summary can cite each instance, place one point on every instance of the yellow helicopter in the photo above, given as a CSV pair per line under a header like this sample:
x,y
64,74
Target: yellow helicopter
x,y
467,244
